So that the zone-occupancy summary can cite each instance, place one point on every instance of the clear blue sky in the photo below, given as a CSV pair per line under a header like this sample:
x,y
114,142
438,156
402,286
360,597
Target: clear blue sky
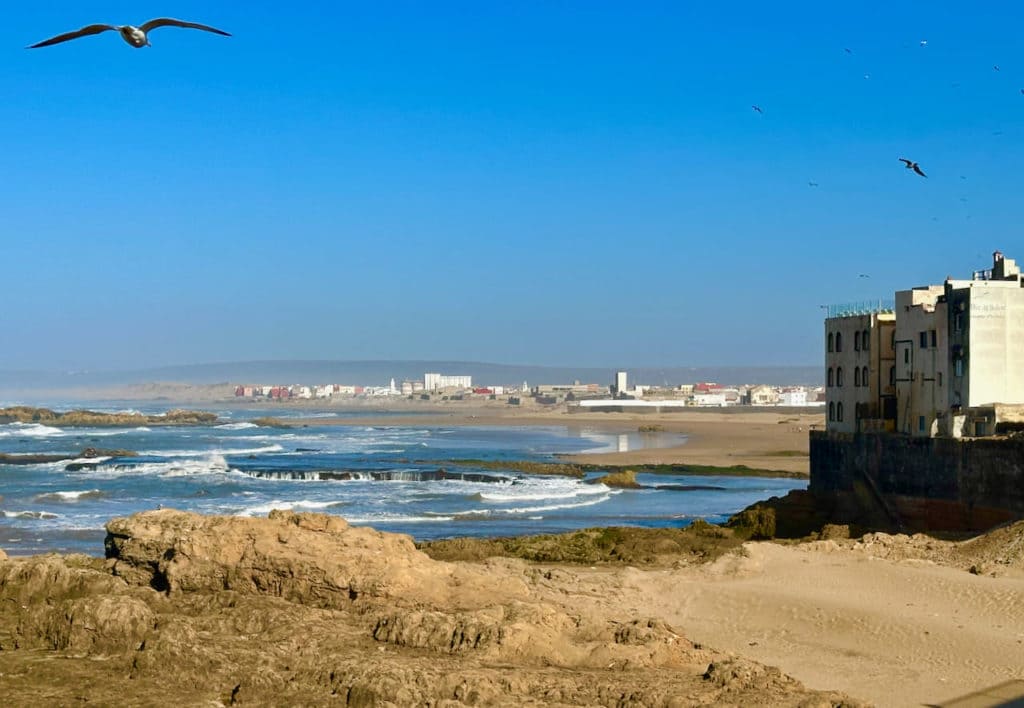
x,y
523,182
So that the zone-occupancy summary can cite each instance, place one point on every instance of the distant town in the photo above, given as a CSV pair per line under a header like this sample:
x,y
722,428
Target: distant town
x,y
617,395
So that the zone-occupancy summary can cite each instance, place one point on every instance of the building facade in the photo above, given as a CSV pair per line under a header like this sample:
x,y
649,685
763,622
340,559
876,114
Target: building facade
x,y
947,360
438,382
859,390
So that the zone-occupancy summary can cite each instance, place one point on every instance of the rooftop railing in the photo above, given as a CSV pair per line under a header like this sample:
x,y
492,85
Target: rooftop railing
x,y
864,307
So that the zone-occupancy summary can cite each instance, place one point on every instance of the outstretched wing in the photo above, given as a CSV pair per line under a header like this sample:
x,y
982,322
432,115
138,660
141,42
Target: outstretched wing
x,y
84,32
171,22
906,162
918,171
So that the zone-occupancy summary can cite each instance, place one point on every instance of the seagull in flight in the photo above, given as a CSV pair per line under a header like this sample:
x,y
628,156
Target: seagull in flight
x,y
911,165
136,36
758,109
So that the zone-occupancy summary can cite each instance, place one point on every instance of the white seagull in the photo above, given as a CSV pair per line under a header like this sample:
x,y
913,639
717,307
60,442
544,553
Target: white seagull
x,y
136,36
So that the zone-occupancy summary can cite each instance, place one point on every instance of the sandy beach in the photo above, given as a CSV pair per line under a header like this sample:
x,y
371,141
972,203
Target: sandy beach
x,y
758,438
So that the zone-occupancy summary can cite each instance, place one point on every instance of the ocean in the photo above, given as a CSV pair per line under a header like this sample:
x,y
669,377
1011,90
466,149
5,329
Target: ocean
x,y
393,478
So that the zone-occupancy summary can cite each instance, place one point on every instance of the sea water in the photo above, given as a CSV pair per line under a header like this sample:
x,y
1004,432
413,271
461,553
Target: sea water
x,y
394,478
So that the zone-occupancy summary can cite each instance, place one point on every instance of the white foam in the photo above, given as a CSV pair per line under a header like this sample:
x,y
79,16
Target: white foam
x,y
46,515
217,451
70,496
236,426
28,430
287,506
537,509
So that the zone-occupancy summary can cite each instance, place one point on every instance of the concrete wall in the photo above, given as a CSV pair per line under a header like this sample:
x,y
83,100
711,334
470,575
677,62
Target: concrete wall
x,y
930,483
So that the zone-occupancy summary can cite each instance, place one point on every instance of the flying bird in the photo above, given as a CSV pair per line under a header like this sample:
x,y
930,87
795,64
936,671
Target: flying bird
x,y
924,42
848,50
812,184
863,275
136,36
996,67
758,109
911,165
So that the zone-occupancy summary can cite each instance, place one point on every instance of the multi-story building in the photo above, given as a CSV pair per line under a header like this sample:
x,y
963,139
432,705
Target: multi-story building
x,y
859,390
946,360
438,382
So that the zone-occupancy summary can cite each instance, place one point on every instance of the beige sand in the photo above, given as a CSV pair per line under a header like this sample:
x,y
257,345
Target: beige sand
x,y
758,438
897,633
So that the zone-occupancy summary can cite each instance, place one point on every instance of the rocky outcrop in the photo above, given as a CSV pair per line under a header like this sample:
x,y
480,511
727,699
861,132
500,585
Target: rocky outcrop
x,y
304,609
82,418
626,479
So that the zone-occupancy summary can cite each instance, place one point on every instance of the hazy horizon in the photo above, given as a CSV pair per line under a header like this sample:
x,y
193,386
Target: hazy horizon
x,y
571,182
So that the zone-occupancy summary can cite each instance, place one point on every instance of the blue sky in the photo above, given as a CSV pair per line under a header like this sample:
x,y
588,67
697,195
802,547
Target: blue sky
x,y
531,182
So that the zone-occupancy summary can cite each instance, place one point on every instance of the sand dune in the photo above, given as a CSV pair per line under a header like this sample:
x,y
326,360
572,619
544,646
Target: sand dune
x,y
895,632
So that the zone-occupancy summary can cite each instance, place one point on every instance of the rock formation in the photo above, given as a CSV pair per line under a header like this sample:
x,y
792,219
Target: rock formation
x,y
304,609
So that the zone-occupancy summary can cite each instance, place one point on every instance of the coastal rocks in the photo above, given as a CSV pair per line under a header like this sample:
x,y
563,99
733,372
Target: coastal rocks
x,y
302,609
82,418
312,559
626,479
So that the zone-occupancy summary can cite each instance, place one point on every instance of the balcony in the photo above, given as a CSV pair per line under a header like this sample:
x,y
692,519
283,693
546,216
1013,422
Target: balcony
x,y
864,307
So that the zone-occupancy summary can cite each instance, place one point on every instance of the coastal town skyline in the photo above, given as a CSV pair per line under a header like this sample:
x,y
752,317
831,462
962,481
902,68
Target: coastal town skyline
x,y
532,184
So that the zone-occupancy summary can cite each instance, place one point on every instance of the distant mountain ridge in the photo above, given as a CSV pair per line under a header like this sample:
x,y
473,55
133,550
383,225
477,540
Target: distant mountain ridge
x,y
380,372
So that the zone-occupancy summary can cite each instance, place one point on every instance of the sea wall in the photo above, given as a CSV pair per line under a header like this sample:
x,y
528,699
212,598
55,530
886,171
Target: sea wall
x,y
921,483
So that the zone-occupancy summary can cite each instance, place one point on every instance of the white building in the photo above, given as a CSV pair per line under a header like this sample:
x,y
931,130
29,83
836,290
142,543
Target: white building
x,y
793,397
714,400
948,360
438,382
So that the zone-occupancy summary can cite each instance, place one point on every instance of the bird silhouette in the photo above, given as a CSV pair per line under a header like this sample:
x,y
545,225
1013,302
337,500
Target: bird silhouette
x,y
996,67
863,275
758,109
848,50
911,165
137,37
812,184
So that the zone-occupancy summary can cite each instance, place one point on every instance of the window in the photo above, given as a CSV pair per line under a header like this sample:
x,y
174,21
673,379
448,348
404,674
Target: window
x,y
839,411
830,338
856,376
839,376
831,411
906,355
830,376
865,340
864,376
934,338
958,321
958,367
939,377
892,375
924,340
856,341
920,423
839,341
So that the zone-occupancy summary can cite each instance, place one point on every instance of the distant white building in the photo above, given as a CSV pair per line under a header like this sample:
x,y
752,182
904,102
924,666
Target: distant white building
x,y
793,397
709,399
438,382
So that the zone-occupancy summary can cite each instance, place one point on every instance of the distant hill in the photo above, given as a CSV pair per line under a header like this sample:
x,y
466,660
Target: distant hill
x,y
379,373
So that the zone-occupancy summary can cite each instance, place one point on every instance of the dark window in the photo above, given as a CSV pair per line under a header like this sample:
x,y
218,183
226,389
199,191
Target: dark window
x,y
939,377
958,321
864,376
839,376
892,375
830,339
839,341
831,411
906,355
856,341
856,376
865,340
839,411
924,340
830,376
920,423
934,338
